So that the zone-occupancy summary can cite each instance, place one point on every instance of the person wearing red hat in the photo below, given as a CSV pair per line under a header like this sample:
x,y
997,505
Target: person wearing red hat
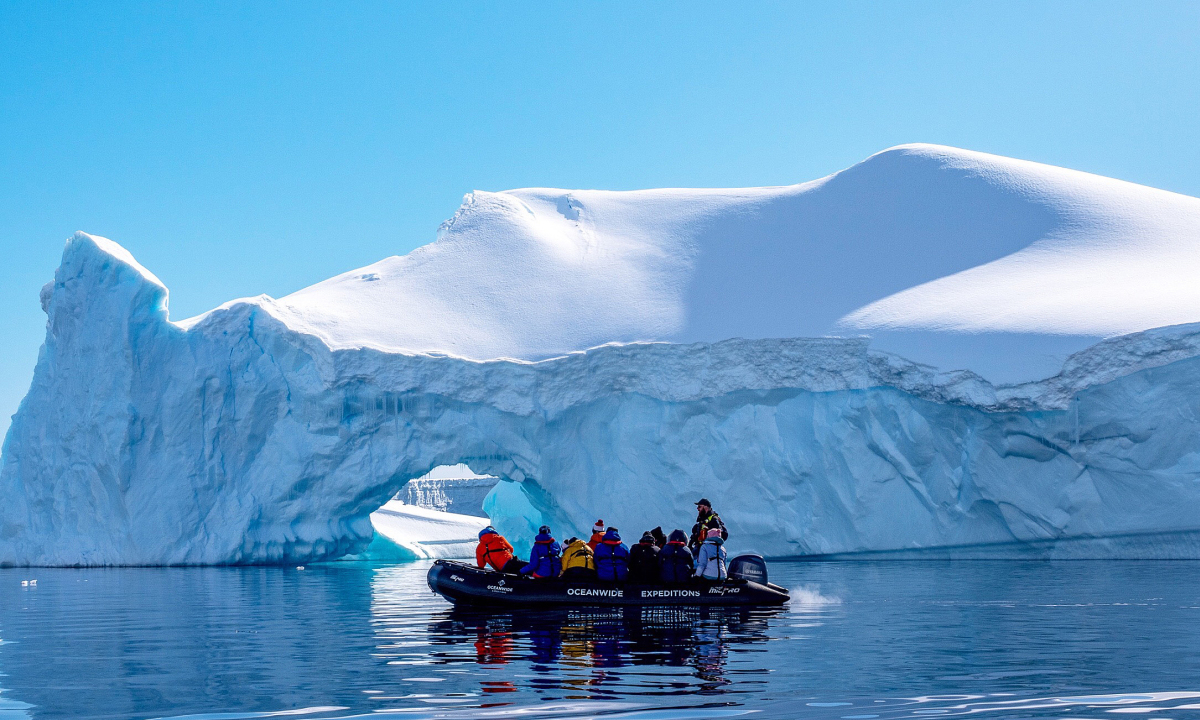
x,y
597,535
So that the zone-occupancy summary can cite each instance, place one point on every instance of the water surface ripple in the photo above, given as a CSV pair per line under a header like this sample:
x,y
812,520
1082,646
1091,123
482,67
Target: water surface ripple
x,y
859,641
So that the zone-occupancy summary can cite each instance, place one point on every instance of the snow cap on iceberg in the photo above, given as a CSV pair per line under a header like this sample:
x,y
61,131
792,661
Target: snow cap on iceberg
x,y
959,259
1117,258
97,270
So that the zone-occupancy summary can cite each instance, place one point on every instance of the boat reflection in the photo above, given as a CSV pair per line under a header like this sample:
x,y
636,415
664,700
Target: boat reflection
x,y
584,647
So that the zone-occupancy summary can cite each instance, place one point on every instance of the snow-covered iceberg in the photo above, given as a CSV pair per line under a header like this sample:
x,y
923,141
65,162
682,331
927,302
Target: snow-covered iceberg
x,y
617,355
409,532
452,488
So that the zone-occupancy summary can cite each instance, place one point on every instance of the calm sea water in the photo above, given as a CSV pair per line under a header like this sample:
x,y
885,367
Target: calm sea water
x,y
859,641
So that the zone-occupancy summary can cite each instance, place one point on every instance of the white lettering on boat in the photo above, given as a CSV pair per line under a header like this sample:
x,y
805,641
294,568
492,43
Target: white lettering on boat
x,y
670,593
596,592
499,588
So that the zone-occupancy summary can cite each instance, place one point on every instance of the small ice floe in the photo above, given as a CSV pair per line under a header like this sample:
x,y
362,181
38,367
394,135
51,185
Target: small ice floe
x,y
29,583
299,567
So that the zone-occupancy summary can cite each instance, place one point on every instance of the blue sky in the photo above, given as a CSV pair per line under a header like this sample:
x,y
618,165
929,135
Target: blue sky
x,y
258,148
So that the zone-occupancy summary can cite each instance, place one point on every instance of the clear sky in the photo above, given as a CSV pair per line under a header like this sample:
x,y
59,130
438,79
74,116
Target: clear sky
x,y
239,149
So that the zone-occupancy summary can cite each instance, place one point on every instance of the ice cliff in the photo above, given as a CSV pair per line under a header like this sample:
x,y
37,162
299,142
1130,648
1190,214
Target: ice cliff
x,y
450,489
268,430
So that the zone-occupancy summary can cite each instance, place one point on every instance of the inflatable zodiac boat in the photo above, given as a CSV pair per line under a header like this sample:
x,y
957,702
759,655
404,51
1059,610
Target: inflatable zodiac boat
x,y
464,584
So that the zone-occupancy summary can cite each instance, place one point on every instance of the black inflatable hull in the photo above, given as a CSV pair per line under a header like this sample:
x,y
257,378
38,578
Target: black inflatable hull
x,y
464,584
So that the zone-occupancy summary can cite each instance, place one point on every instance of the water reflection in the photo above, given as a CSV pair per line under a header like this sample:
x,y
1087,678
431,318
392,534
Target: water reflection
x,y
859,641
600,640
11,709
582,653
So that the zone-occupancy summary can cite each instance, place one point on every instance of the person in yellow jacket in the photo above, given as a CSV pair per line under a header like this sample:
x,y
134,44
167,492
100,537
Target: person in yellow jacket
x,y
578,563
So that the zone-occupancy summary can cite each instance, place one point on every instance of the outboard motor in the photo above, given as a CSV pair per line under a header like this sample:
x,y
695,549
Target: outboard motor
x,y
749,567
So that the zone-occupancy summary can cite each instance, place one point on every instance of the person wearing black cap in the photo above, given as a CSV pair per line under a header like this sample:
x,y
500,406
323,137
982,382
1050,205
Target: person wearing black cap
x,y
706,519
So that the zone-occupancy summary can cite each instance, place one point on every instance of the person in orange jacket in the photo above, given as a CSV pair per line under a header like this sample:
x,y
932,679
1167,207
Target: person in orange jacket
x,y
493,549
597,535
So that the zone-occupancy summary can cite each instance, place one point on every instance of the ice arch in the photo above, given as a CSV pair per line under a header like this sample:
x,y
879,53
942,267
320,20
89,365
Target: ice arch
x,y
241,440
437,515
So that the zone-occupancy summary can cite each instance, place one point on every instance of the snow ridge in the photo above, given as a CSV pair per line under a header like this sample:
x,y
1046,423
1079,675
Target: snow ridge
x,y
1020,262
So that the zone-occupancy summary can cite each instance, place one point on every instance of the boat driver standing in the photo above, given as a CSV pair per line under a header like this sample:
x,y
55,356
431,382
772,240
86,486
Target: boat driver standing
x,y
706,519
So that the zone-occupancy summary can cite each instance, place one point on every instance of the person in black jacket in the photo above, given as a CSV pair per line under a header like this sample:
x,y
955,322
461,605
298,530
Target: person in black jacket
x,y
706,519
643,560
675,561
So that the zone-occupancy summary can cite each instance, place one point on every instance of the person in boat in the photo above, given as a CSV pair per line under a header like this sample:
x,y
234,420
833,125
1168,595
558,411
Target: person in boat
x,y
544,559
706,519
660,538
612,557
578,562
710,562
597,535
675,561
494,550
643,560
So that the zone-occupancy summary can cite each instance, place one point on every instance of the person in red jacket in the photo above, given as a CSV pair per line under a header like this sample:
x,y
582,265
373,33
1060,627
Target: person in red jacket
x,y
493,549
597,535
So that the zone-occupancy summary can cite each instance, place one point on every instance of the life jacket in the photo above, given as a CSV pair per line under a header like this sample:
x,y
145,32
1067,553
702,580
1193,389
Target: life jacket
x,y
493,550
675,561
612,558
701,528
578,554
710,563
544,559
643,563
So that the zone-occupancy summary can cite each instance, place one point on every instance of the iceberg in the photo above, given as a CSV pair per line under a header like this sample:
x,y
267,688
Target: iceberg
x,y
453,489
409,532
618,355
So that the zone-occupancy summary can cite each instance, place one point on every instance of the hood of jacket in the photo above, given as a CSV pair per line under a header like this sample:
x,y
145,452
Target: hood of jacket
x,y
544,539
677,536
715,541
612,536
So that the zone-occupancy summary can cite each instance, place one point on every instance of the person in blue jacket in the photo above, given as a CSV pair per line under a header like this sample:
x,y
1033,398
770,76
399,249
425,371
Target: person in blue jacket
x,y
675,561
544,561
612,557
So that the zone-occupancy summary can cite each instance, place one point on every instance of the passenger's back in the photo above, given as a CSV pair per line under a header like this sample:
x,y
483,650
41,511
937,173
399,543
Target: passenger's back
x,y
643,561
612,557
675,561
